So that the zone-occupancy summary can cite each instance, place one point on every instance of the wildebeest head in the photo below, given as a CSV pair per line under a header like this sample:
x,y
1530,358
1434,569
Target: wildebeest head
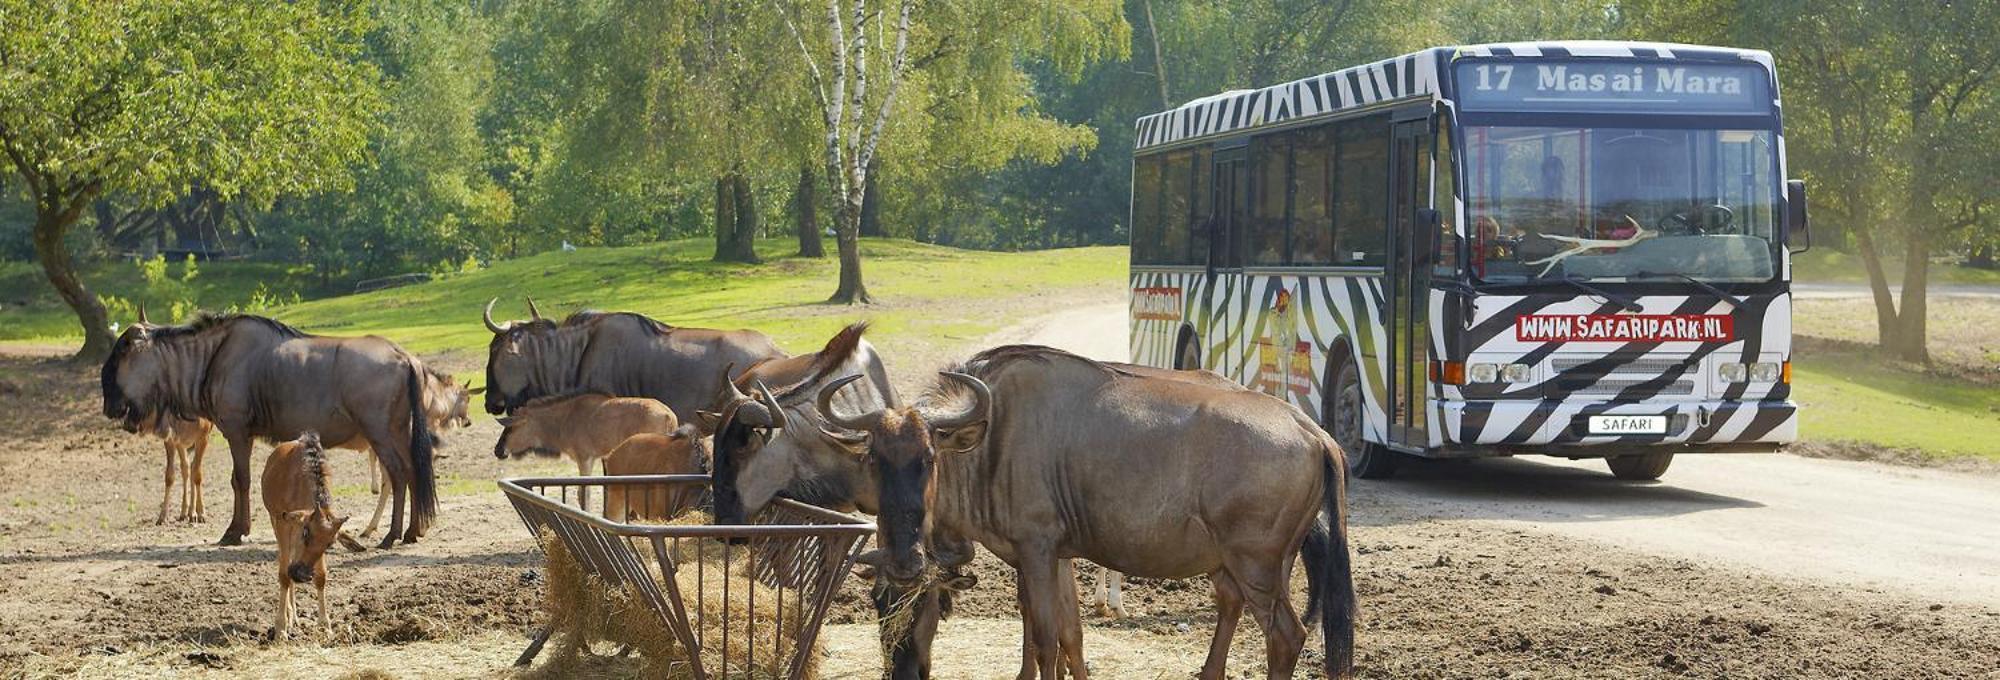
x,y
511,358
317,528
744,425
132,377
907,617
446,403
532,429
900,448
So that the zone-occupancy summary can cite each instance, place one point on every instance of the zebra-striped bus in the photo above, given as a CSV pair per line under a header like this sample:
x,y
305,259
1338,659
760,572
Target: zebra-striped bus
x,y
1569,248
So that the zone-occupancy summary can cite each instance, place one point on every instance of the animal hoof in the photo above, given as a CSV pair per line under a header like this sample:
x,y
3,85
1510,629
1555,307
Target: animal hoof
x,y
387,543
230,539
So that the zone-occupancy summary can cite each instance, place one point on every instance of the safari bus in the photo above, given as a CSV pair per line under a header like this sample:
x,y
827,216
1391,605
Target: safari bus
x,y
1579,249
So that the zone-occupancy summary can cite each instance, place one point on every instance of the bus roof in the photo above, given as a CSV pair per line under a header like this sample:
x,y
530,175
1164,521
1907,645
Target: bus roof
x,y
1409,76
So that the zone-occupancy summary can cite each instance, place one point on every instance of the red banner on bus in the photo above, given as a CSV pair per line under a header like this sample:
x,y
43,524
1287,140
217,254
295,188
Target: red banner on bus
x,y
1624,328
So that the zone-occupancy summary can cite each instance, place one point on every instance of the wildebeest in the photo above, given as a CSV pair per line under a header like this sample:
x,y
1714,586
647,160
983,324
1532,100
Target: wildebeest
x,y
302,517
680,452
1055,457
771,440
617,353
446,407
583,427
255,377
186,441
908,618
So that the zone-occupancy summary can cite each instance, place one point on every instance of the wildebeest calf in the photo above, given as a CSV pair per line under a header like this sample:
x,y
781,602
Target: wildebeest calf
x,y
295,493
185,442
584,427
651,453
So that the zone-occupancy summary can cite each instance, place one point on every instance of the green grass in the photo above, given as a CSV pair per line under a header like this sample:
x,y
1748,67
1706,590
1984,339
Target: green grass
x,y
29,308
1852,398
672,281
1822,265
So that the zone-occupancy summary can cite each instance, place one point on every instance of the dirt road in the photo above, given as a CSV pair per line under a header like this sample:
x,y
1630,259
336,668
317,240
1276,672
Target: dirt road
x,y
1920,532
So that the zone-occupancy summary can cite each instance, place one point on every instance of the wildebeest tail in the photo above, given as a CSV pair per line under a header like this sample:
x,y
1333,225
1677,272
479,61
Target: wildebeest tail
x,y
1316,553
423,488
1336,591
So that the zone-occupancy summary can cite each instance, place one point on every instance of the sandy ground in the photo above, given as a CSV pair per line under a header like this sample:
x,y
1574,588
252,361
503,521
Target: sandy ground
x,y
1764,566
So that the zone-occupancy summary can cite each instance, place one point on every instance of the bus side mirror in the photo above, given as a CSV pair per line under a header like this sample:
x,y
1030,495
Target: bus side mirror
x,y
1424,241
1796,225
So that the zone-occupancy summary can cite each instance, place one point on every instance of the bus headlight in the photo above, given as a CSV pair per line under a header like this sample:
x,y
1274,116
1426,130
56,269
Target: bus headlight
x,y
1516,373
1482,373
1764,372
1731,373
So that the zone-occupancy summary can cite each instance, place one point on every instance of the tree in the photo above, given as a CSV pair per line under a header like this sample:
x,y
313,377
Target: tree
x,y
805,207
146,99
1891,112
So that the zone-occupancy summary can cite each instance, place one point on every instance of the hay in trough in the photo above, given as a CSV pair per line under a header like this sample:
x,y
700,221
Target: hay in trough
x,y
583,608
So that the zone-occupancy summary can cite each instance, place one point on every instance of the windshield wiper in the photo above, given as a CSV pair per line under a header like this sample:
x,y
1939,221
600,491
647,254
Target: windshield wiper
x,y
1621,301
1711,289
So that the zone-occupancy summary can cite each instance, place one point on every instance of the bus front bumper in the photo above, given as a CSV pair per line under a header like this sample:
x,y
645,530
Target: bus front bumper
x,y
1691,425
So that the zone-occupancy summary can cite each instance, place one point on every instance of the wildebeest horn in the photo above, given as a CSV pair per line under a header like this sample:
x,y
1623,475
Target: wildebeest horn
x,y
981,409
770,402
826,410
142,313
734,396
489,318
872,558
533,310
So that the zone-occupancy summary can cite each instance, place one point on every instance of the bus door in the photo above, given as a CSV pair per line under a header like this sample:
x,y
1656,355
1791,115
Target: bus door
x,y
1232,214
1407,281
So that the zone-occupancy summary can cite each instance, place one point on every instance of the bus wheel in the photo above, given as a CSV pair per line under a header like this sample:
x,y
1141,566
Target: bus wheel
x,y
1189,357
1344,421
1641,467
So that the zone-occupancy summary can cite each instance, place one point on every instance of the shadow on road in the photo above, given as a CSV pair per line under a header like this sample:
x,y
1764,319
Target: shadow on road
x,y
1522,489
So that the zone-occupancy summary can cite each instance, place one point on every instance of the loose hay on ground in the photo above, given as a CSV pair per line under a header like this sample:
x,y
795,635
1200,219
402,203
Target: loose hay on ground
x,y
584,609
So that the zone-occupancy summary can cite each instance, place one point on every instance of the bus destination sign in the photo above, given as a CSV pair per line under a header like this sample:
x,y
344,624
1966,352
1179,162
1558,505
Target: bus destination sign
x,y
1649,87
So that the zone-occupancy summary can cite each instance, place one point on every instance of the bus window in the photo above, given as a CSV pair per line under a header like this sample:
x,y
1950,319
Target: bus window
x,y
1361,192
1442,191
1174,191
1270,158
1145,209
1312,224
1203,217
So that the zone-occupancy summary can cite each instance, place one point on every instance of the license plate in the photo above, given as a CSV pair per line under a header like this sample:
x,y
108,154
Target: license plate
x,y
1628,424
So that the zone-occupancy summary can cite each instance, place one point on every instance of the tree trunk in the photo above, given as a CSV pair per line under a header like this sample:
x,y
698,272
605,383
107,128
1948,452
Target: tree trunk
x,y
49,249
1878,281
1159,60
743,242
851,290
871,204
725,216
1912,336
806,210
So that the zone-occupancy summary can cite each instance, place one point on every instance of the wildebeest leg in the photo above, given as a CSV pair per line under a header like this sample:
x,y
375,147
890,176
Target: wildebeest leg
x,y
583,492
191,480
167,494
376,473
1071,634
1041,580
239,484
281,623
1027,629
1264,586
395,461
1228,611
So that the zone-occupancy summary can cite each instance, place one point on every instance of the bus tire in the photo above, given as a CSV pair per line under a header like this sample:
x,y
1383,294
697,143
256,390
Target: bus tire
x,y
1188,356
1344,420
1640,467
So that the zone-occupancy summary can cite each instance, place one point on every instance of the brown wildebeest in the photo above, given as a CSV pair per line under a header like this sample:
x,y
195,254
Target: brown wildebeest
x,y
583,427
185,441
446,407
908,618
770,439
648,453
1058,457
295,493
616,353
255,377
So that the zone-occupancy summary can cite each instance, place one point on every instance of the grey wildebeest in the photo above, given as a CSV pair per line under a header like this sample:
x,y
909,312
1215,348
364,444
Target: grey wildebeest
x,y
770,440
1054,457
616,353
680,452
584,427
255,378
302,517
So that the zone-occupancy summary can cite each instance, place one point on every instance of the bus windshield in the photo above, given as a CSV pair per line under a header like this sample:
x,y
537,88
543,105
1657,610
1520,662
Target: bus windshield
x,y
1621,204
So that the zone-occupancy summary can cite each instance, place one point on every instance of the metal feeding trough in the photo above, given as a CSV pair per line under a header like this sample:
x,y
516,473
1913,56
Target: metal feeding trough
x,y
736,600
